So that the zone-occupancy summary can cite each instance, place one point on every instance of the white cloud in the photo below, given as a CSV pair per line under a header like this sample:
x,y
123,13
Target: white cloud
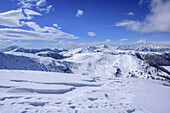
x,y
16,18
34,26
12,18
92,34
131,14
26,3
56,25
156,21
40,5
79,13
31,13
142,41
123,39
47,9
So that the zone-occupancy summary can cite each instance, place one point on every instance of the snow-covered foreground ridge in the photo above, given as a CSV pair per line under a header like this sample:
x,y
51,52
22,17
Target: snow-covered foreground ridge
x,y
52,92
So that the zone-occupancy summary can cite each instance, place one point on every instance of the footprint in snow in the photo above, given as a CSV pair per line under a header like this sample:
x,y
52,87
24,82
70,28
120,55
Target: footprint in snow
x,y
130,110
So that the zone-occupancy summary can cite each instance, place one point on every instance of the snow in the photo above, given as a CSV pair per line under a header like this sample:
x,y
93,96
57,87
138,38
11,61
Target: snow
x,y
85,61
166,67
45,52
86,80
44,60
100,63
29,61
151,97
42,92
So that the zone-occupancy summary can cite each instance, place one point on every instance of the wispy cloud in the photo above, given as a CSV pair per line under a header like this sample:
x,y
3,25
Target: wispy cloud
x,y
123,39
71,44
130,24
156,21
79,13
46,33
92,34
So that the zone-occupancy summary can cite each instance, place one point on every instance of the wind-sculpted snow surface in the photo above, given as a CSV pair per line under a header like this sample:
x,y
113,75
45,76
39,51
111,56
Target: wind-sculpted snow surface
x,y
52,92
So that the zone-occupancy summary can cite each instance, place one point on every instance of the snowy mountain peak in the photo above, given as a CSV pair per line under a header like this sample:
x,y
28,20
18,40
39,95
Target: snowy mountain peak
x,y
11,48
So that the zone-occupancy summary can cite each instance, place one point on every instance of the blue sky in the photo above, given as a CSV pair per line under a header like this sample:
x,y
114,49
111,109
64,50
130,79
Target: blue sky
x,y
75,23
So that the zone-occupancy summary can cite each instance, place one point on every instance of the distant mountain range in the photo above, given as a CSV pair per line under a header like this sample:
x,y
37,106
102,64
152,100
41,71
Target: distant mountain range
x,y
100,61
145,47
18,49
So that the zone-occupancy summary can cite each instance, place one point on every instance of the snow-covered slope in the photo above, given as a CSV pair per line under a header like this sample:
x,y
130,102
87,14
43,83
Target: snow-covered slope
x,y
114,62
90,49
28,61
49,92
109,65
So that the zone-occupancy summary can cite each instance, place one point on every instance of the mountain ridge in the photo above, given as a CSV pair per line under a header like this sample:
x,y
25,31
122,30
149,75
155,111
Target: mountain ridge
x,y
90,60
